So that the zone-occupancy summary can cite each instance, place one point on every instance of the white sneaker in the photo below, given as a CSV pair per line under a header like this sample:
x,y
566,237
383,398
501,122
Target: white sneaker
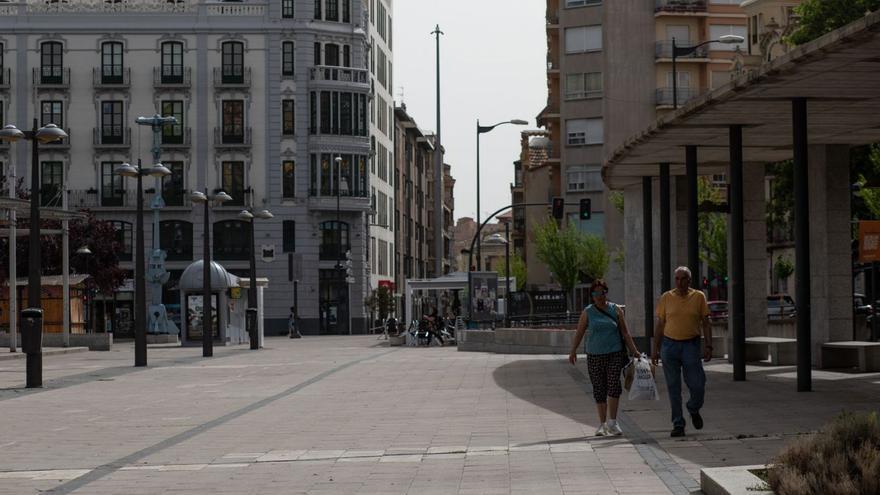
x,y
613,429
601,431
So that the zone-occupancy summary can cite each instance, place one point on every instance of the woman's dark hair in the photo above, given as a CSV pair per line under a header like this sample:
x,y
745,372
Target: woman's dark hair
x,y
598,283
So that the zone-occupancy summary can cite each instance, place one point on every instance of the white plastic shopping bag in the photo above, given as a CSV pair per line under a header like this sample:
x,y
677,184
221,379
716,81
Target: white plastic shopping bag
x,y
644,387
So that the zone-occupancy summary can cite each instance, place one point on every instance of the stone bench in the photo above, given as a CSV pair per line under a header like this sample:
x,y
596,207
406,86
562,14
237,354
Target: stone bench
x,y
863,355
780,351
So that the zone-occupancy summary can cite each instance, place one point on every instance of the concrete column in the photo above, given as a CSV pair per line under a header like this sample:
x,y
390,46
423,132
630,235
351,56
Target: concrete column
x,y
755,250
634,291
679,222
830,256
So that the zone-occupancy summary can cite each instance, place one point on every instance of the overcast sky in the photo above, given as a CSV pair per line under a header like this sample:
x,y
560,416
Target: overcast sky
x,y
492,67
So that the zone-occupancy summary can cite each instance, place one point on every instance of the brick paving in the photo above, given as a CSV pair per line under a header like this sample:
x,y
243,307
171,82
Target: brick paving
x,y
351,415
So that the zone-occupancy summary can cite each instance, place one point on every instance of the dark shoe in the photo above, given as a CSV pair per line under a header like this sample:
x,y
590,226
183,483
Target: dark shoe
x,y
678,431
697,420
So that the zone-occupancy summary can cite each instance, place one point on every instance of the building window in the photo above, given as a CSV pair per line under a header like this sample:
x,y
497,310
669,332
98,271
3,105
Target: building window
x,y
583,39
318,15
51,183
172,62
323,180
585,178
176,239
232,62
584,85
288,179
112,187
332,10
340,113
233,121
173,185
111,63
718,30
231,240
124,232
584,131
233,182
334,240
2,67
287,9
173,133
331,54
287,58
111,122
51,112
288,236
581,3
51,63
287,118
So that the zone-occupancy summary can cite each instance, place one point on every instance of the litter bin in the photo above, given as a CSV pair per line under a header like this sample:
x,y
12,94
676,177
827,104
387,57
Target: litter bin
x,y
251,322
32,330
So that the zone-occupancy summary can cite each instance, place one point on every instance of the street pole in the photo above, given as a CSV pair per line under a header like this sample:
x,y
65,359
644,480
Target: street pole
x,y
252,292
479,241
338,161
674,77
34,364
65,266
13,275
438,174
207,326
507,277
140,308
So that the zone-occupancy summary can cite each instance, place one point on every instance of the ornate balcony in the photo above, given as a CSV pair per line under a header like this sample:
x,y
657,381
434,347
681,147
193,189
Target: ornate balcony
x,y
171,77
111,137
184,140
232,77
51,77
111,77
5,78
680,6
233,140
664,96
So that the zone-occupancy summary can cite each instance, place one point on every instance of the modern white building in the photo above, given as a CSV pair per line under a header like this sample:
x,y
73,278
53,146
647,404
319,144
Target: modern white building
x,y
267,95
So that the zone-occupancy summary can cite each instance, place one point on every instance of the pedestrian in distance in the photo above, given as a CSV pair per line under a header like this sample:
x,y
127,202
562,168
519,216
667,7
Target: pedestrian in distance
x,y
608,339
681,313
292,324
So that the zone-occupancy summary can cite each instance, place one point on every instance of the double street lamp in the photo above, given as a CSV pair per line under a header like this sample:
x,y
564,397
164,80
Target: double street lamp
x,y
32,318
680,51
481,129
251,217
140,297
207,323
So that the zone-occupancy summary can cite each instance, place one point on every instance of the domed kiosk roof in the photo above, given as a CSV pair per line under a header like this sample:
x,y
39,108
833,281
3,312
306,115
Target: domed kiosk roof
x,y
192,278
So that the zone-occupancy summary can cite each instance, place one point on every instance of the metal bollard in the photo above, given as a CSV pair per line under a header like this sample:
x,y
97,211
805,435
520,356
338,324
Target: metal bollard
x,y
252,330
32,345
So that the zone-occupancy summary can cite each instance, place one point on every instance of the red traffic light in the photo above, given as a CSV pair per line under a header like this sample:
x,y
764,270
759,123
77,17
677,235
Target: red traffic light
x,y
558,208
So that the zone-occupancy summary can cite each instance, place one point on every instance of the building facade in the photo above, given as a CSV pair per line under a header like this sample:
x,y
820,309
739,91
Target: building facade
x,y
275,105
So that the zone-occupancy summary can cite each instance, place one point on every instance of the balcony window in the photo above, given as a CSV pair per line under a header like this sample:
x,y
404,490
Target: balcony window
x,y
288,236
233,121
173,185
288,179
331,54
124,232
51,63
584,131
176,239
231,240
287,58
111,122
339,113
51,183
52,112
112,187
584,85
287,9
173,133
583,39
323,176
232,62
581,3
172,62
334,240
111,63
233,182
332,10
287,118
318,15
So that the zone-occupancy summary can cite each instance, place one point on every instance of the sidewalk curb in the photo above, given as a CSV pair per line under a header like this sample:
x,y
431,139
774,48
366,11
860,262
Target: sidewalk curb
x,y
46,352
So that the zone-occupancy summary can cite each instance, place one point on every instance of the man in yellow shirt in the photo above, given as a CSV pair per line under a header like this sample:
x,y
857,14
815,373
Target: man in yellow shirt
x,y
681,313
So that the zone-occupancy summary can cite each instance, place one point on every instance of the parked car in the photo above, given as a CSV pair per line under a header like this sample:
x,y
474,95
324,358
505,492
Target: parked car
x,y
780,306
718,310
861,305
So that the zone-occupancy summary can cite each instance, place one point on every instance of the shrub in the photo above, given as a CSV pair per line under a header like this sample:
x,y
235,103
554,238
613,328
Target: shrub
x,y
841,459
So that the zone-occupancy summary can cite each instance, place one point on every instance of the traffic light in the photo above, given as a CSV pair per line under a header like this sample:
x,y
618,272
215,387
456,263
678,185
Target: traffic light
x,y
558,208
586,208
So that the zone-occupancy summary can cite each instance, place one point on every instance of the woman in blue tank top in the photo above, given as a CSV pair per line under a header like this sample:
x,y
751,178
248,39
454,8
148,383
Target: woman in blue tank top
x,y
606,331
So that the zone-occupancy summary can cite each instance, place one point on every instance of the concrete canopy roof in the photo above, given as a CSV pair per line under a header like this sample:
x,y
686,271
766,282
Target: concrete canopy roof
x,y
838,74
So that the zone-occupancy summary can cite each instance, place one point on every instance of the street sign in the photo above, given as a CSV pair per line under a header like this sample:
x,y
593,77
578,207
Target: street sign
x,y
869,241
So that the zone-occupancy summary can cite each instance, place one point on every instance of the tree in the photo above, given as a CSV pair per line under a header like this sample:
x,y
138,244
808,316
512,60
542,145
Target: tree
x,y
381,301
517,269
818,17
712,229
595,257
783,268
780,204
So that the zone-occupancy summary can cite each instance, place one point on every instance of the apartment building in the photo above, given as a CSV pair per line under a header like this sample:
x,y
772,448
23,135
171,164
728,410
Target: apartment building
x,y
267,96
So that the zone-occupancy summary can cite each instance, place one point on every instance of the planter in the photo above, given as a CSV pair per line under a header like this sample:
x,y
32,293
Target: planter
x,y
734,480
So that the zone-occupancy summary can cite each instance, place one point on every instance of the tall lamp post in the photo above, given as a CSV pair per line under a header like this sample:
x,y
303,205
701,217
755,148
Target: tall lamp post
x,y
251,218
680,51
140,309
340,266
32,316
207,324
497,239
481,129
87,253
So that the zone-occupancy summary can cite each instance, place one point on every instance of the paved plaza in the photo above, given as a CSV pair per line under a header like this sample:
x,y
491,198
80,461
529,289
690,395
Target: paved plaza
x,y
350,415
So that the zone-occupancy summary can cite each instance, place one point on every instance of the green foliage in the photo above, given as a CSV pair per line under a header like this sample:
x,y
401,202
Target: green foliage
x,y
842,459
381,300
712,229
594,256
818,17
780,205
616,199
619,257
570,254
865,168
517,269
783,268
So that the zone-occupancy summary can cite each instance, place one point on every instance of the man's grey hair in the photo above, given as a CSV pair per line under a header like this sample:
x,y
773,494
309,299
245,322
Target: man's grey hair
x,y
684,269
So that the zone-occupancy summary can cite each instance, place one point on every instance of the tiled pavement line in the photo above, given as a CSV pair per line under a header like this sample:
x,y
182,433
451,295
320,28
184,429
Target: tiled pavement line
x,y
104,374
113,466
676,479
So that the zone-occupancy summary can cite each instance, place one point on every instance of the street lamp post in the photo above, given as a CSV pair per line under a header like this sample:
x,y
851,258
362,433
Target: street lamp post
x,y
207,325
140,309
252,325
340,267
482,130
85,251
32,319
496,239
677,51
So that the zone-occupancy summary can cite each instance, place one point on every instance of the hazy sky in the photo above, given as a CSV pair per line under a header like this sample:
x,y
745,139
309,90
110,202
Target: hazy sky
x,y
492,67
